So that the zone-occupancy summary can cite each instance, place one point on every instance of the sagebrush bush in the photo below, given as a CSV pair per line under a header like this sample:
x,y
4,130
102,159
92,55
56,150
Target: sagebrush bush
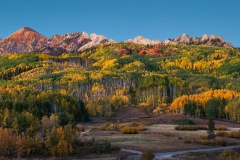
x,y
79,127
198,127
233,134
220,128
203,127
184,122
213,142
187,128
129,130
222,134
123,127
109,127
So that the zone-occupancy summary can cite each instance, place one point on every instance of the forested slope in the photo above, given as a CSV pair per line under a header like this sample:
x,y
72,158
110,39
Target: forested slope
x,y
121,74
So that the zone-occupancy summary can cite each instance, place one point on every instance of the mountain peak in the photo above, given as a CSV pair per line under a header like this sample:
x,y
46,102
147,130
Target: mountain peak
x,y
184,35
27,29
23,33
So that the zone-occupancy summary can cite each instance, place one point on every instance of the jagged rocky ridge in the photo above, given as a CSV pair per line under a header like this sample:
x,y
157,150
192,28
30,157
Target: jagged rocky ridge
x,y
209,40
28,40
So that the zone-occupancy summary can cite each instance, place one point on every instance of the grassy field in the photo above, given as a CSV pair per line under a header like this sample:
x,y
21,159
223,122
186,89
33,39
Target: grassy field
x,y
159,134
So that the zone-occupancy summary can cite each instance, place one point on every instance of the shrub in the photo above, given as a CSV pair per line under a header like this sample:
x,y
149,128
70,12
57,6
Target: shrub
x,y
203,127
141,127
222,134
233,134
184,122
79,128
213,142
147,155
132,127
92,127
109,127
220,128
129,130
187,128
102,146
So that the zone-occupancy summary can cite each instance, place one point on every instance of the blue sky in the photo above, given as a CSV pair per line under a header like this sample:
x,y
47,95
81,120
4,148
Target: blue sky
x,y
124,19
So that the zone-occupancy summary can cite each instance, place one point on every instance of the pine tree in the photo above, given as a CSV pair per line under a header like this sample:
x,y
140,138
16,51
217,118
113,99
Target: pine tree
x,y
211,126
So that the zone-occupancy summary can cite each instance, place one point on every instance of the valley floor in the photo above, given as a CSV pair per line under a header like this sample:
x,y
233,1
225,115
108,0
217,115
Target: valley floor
x,y
160,135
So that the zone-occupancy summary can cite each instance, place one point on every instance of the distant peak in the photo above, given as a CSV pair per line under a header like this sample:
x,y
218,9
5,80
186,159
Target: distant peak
x,y
143,40
184,35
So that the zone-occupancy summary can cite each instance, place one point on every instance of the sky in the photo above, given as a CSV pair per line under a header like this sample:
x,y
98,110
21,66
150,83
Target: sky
x,y
124,19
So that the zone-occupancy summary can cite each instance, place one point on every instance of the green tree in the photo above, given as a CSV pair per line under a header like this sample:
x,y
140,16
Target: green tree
x,y
211,126
212,108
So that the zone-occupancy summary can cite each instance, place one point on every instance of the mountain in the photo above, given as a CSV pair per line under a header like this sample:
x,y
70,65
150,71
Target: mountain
x,y
209,40
29,40
23,40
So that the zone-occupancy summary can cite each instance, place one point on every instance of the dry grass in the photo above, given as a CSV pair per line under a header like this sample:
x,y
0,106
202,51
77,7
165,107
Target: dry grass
x,y
158,138
160,134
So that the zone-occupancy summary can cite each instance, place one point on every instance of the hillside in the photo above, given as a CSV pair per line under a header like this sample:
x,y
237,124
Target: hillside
x,y
121,74
43,96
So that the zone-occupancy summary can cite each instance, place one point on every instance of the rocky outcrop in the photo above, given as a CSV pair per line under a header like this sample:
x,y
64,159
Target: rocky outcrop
x,y
96,40
28,40
143,40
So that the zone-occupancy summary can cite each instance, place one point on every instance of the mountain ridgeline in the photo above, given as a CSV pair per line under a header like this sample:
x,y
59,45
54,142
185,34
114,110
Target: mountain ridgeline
x,y
28,40
74,75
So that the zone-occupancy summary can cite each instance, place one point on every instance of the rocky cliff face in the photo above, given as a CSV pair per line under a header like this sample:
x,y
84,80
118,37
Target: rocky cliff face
x,y
209,40
28,40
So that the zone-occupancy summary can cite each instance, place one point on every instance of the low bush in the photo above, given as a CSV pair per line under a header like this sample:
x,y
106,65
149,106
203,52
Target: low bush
x,y
110,127
184,122
222,134
79,127
213,142
132,127
198,127
147,155
187,128
233,134
220,128
129,130
203,127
